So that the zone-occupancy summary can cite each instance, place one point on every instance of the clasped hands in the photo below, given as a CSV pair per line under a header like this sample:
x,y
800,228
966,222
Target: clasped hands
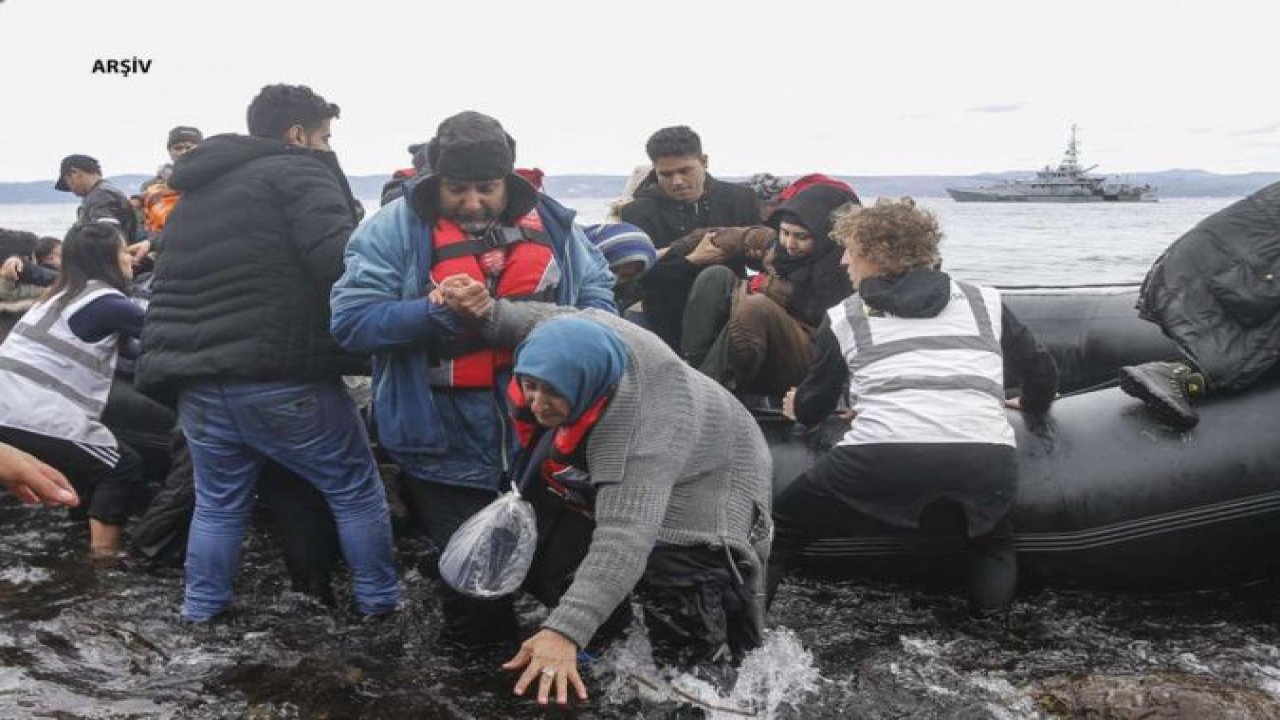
x,y
464,295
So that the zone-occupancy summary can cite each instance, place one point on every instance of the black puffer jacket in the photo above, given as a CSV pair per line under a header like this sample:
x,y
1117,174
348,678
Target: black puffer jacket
x,y
663,219
241,290
1216,291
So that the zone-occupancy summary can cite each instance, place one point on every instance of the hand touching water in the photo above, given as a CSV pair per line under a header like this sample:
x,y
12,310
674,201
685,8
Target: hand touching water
x,y
552,660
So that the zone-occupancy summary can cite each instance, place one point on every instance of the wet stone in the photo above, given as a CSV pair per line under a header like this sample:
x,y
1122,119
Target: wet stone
x,y
1163,696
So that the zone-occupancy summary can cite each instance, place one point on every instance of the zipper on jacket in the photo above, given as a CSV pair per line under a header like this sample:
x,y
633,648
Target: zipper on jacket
x,y
504,481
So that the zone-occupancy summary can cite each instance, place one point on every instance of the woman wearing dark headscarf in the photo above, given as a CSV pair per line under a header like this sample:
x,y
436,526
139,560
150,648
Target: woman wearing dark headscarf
x,y
763,345
647,477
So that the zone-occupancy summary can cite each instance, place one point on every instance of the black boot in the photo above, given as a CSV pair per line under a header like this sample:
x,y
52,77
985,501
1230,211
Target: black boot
x,y
991,571
1166,388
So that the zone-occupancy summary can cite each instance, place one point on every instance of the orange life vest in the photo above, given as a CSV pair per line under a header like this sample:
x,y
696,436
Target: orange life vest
x,y
514,263
157,202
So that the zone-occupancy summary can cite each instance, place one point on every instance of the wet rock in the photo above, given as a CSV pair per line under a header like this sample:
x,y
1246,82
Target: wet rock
x,y
1166,696
314,682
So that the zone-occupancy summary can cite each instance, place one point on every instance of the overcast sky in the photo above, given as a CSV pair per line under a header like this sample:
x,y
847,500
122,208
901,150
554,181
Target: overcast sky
x,y
794,86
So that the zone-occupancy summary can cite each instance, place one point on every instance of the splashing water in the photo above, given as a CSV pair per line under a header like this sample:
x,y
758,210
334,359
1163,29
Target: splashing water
x,y
22,574
79,639
781,672
778,673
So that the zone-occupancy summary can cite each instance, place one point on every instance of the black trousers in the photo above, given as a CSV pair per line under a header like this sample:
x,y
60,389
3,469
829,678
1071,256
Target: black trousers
x,y
836,498
697,601
439,510
107,494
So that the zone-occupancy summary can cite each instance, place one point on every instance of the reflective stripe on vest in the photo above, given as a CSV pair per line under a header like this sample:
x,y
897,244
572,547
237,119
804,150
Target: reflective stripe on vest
x,y
868,351
57,384
937,379
530,272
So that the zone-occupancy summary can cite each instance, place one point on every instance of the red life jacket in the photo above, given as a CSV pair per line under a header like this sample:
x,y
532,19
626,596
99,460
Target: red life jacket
x,y
514,263
565,470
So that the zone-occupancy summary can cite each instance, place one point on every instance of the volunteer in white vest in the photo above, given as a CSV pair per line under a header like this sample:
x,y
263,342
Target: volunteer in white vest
x,y
929,446
56,368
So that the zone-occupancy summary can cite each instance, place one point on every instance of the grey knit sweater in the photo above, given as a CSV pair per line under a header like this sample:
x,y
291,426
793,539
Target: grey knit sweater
x,y
675,459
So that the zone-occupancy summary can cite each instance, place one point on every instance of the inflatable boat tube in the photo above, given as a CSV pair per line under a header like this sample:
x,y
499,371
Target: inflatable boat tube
x,y
1091,331
1108,497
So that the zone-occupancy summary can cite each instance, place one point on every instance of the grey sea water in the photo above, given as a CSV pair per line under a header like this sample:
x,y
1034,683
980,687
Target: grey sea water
x,y
86,640
1020,244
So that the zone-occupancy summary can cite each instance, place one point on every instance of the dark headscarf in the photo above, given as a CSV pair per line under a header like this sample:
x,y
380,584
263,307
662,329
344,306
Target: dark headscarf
x,y
812,209
817,279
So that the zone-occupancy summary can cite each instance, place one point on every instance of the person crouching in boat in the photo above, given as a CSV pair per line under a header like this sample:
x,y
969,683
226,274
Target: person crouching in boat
x,y
56,368
923,355
759,340
647,477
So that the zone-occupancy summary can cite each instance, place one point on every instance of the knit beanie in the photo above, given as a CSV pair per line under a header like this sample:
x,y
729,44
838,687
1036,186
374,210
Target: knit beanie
x,y
184,133
471,146
621,243
807,181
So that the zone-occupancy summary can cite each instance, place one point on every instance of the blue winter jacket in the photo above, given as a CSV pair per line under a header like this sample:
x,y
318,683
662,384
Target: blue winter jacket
x,y
379,307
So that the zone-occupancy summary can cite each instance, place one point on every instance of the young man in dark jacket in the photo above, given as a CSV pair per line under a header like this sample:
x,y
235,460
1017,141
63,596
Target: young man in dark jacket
x,y
678,198
238,327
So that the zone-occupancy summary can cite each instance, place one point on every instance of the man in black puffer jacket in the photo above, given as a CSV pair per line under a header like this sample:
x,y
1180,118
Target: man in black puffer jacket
x,y
238,329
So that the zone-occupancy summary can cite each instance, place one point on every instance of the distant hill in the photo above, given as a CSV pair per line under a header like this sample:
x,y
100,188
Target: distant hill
x,y
1170,183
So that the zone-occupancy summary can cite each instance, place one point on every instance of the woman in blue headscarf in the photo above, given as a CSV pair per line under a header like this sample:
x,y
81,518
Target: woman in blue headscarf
x,y
648,479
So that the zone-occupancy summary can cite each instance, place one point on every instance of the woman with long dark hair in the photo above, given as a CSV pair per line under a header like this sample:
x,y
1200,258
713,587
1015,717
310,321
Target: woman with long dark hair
x,y
56,369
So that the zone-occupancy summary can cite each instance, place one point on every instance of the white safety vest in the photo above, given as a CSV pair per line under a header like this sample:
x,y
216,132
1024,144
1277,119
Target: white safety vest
x,y
925,380
53,383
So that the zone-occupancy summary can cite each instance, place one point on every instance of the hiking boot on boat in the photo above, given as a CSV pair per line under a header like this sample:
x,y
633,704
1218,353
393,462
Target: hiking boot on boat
x,y
1166,388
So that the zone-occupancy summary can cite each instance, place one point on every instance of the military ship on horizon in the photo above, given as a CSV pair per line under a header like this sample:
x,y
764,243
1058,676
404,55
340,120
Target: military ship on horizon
x,y
1066,183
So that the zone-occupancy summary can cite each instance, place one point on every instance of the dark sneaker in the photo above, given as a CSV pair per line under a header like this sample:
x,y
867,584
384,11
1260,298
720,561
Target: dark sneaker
x,y
1166,388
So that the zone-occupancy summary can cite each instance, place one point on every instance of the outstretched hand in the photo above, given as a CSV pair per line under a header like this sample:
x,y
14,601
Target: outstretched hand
x,y
552,660
33,481
139,251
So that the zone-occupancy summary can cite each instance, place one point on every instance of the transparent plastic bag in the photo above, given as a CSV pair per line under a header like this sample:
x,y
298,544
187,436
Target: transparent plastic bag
x,y
491,553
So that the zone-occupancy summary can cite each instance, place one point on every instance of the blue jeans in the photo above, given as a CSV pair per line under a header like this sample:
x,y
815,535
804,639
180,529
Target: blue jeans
x,y
312,429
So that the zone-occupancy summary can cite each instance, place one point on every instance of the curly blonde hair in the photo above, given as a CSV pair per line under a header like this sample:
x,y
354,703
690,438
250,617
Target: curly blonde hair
x,y
894,235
